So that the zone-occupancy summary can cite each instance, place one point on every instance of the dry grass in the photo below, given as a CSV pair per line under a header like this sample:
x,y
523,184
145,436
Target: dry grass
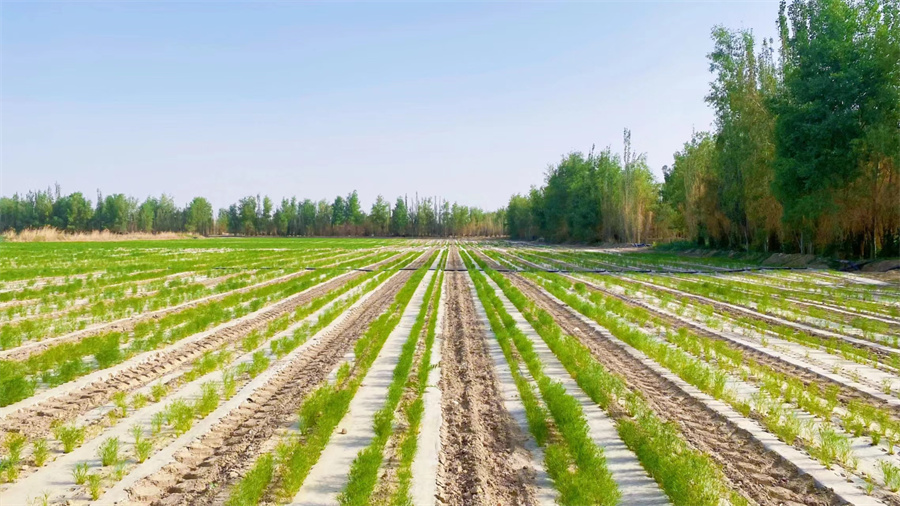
x,y
50,234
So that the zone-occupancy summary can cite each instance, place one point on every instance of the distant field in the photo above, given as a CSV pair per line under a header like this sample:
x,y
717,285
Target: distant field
x,y
391,371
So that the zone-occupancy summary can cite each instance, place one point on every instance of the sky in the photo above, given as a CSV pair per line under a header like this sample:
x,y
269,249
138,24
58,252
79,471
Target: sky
x,y
470,101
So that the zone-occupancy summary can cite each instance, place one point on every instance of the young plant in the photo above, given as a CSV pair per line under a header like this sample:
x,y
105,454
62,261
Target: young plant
x,y
94,483
138,401
14,444
143,447
229,384
40,451
157,422
891,475
120,400
109,451
208,400
80,473
41,500
121,468
180,415
70,436
158,391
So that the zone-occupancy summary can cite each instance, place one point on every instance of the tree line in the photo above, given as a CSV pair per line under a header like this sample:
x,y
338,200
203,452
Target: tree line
x,y
804,155
252,215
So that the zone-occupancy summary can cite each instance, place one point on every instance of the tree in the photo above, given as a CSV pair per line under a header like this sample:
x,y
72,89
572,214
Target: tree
x,y
199,217
840,89
744,82
146,213
338,212
167,217
247,215
353,211
380,215
400,218
222,221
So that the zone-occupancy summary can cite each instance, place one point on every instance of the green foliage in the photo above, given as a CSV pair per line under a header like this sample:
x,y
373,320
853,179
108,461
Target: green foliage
x,y
180,415
80,473
70,436
599,197
687,476
109,451
40,451
95,484
250,489
158,391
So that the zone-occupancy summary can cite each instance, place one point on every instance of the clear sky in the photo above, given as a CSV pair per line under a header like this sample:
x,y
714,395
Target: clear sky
x,y
466,100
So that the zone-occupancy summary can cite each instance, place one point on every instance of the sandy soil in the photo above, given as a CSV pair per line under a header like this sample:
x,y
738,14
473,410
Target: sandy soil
x,y
483,460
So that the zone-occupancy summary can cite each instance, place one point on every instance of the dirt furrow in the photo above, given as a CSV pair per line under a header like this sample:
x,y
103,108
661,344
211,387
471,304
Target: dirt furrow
x,y
454,261
36,420
493,264
219,458
482,448
759,474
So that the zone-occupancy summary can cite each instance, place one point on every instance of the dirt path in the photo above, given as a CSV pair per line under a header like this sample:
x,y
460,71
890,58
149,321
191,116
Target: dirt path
x,y
220,457
759,474
483,459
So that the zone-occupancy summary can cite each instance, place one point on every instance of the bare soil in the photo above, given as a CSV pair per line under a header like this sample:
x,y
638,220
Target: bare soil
x,y
483,460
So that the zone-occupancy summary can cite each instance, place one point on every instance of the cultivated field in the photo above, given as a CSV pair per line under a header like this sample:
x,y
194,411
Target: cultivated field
x,y
395,372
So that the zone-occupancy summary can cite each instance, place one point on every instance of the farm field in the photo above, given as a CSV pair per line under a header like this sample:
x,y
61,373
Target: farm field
x,y
394,372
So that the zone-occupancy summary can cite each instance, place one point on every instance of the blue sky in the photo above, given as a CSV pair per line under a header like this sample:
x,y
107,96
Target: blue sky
x,y
466,100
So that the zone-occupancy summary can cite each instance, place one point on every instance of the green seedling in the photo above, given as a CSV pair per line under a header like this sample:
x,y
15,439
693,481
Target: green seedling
x,y
109,451
120,400
70,436
94,482
138,401
80,473
891,475
158,391
209,399
40,451
157,423
229,384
